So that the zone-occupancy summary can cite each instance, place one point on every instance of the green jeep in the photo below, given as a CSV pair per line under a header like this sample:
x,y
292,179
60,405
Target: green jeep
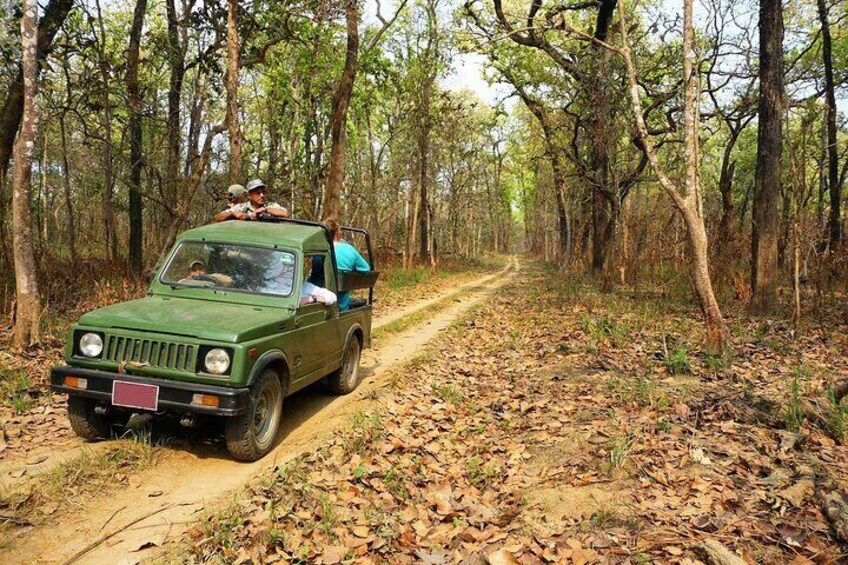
x,y
222,332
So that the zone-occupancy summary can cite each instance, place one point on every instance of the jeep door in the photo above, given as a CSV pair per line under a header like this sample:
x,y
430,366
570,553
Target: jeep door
x,y
318,342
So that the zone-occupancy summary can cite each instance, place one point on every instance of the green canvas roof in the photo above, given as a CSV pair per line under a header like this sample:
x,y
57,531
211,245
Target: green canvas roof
x,y
284,234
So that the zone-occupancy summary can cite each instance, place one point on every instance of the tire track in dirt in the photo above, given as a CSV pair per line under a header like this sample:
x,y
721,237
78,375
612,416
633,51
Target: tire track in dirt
x,y
113,528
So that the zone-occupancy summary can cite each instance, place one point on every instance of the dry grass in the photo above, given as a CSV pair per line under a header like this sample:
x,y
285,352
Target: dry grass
x,y
70,485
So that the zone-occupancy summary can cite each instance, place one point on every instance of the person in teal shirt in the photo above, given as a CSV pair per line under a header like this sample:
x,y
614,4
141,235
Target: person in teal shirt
x,y
347,259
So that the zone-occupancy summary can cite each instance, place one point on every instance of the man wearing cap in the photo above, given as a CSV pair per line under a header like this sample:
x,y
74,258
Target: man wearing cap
x,y
236,197
257,202
197,272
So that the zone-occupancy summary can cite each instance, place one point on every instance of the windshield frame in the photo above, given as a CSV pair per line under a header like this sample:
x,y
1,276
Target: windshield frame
x,y
225,289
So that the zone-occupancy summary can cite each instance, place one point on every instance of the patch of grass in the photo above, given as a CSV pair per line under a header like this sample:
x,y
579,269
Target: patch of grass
x,y
15,388
835,416
604,517
80,479
395,481
643,393
365,428
397,279
478,474
715,363
603,330
793,413
619,455
447,393
677,362
329,518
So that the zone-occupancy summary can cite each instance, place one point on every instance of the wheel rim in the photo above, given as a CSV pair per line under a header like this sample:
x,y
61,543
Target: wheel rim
x,y
266,414
350,368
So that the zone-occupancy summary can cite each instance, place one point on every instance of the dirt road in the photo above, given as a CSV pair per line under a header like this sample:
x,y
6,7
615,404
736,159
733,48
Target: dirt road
x,y
129,524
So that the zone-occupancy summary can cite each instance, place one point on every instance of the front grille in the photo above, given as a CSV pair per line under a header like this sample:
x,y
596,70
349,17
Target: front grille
x,y
156,353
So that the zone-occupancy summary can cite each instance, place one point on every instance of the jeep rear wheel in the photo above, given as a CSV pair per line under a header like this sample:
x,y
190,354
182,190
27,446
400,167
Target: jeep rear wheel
x,y
251,435
90,425
346,378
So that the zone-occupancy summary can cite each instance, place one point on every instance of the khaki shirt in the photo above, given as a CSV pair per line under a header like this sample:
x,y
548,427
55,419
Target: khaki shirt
x,y
246,208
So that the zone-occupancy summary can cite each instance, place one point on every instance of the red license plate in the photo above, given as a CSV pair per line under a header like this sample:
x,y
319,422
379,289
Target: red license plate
x,y
135,395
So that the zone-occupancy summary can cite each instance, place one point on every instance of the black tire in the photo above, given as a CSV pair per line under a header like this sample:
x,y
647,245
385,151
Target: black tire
x,y
346,378
251,435
89,425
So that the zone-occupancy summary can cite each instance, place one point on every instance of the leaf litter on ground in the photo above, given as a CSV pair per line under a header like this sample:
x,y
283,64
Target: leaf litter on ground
x,y
535,433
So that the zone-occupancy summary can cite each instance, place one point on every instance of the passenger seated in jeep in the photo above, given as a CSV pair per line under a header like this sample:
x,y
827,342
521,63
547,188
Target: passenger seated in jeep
x,y
347,259
310,293
197,272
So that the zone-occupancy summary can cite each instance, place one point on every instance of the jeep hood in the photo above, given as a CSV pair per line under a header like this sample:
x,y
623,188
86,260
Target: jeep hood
x,y
204,320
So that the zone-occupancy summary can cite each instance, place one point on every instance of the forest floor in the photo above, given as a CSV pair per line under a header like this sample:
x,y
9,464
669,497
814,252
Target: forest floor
x,y
150,478
525,419
557,424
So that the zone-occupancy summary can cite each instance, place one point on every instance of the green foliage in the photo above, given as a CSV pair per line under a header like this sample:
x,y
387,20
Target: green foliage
x,y
677,362
603,330
835,416
15,387
447,393
793,413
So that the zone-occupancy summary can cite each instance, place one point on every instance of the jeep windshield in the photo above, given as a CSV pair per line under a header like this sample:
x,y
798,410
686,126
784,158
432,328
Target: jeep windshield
x,y
242,268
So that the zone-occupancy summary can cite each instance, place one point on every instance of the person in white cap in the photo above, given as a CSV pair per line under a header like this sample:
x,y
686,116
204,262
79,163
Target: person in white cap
x,y
236,197
257,202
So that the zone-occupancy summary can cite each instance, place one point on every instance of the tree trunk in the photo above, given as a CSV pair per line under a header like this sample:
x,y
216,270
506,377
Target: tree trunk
x,y
341,101
411,223
233,127
176,61
27,299
604,207
425,126
134,98
108,209
688,203
764,267
835,231
66,179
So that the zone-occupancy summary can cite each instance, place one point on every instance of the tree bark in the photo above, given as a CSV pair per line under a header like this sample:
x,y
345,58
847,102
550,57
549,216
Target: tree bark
x,y
107,208
341,101
834,186
135,131
66,180
688,202
233,127
27,298
425,127
604,196
764,241
176,60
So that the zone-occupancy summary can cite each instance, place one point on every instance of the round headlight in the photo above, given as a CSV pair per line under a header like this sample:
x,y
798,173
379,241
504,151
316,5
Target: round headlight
x,y
217,361
91,344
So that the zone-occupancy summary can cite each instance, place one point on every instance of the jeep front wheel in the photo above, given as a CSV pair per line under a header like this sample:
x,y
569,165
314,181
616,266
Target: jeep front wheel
x,y
90,425
346,378
251,435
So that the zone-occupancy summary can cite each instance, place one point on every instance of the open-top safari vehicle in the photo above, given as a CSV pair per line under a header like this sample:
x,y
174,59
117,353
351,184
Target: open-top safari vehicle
x,y
222,332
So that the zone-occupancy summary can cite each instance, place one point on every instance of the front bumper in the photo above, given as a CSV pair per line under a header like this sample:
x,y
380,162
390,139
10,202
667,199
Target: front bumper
x,y
173,395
